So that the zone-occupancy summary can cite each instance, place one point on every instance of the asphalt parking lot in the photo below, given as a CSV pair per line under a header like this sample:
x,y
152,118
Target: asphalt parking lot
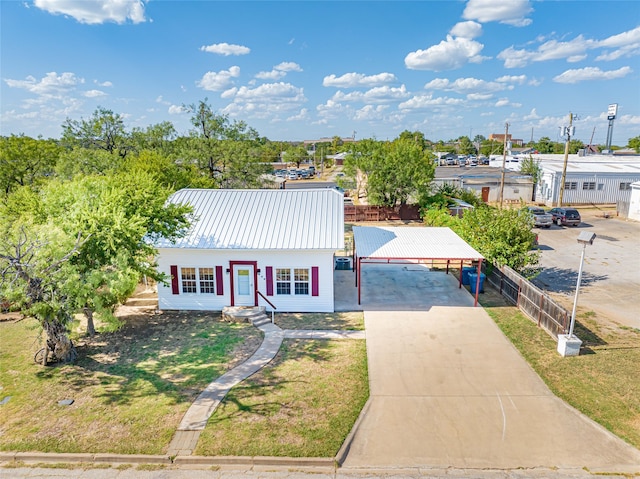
x,y
611,273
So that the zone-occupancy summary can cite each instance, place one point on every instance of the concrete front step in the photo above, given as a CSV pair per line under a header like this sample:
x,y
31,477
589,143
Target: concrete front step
x,y
255,315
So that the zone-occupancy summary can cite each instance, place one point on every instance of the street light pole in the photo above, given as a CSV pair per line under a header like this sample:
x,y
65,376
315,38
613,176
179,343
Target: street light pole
x,y
575,299
568,344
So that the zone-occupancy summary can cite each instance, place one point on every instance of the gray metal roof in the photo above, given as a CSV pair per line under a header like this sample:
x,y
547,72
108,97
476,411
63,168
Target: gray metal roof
x,y
262,219
392,242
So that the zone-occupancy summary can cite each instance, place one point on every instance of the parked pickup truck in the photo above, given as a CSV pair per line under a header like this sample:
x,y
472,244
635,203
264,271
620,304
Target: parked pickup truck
x,y
541,219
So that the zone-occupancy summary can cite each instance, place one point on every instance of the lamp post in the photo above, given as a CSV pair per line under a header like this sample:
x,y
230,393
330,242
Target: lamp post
x,y
568,344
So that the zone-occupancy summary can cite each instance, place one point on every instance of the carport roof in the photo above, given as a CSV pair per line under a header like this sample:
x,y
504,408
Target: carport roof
x,y
415,243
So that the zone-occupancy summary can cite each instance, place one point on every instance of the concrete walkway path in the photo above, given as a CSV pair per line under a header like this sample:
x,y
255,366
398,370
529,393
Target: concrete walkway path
x,y
195,419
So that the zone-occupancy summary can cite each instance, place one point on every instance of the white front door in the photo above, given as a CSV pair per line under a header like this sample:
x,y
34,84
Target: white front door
x,y
244,291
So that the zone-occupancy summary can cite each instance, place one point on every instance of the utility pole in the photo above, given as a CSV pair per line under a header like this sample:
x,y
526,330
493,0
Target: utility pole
x,y
504,162
568,131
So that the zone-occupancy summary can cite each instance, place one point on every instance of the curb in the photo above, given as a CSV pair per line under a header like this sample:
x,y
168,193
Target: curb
x,y
327,463
346,445
54,457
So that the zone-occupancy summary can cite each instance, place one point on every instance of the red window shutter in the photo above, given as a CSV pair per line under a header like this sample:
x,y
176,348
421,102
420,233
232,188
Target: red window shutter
x,y
314,281
219,284
269,275
175,286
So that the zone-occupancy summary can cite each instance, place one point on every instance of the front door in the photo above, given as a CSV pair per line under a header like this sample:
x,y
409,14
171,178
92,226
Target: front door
x,y
244,291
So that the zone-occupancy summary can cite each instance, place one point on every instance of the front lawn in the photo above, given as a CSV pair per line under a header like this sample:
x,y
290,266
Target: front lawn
x,y
603,382
303,404
130,388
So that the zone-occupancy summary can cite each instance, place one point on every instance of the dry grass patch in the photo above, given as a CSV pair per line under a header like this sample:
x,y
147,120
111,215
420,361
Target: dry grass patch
x,y
303,404
130,388
603,382
346,321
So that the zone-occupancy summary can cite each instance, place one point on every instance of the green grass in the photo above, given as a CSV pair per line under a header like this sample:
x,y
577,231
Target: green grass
x,y
303,404
346,321
603,382
130,388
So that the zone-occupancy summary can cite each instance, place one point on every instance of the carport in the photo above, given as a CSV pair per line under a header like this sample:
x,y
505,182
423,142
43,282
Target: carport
x,y
423,245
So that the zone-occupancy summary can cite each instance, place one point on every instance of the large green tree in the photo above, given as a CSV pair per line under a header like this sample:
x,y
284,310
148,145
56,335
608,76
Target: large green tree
x,y
392,173
212,143
502,236
634,143
103,130
26,161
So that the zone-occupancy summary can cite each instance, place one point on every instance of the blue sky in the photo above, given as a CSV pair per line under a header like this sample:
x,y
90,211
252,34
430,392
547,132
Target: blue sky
x,y
300,70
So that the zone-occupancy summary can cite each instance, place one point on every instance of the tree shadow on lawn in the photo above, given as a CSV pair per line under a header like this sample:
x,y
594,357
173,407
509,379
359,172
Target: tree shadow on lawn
x,y
171,354
561,280
256,394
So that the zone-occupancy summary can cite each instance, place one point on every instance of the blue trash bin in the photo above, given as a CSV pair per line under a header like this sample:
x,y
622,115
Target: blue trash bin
x,y
473,278
465,274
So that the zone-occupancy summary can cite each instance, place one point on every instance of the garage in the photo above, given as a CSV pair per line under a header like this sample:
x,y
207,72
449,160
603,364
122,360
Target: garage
x,y
429,246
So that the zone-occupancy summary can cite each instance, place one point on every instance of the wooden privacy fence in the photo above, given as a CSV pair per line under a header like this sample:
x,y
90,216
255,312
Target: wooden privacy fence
x,y
531,300
356,213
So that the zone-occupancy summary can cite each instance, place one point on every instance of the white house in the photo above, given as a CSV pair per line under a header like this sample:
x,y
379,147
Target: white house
x,y
245,247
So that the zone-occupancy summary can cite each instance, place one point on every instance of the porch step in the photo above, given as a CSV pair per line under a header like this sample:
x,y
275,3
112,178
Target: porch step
x,y
255,315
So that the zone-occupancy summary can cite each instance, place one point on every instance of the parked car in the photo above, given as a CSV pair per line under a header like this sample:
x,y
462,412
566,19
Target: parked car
x,y
541,219
565,216
293,175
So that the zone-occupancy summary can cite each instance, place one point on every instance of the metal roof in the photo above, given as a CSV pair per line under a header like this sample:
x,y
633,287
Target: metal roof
x,y
389,242
262,219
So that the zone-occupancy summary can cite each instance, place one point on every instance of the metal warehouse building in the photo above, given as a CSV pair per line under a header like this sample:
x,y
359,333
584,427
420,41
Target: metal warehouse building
x,y
596,179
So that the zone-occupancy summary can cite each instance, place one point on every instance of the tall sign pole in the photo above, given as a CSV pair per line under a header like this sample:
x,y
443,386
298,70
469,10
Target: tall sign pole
x,y
612,112
568,131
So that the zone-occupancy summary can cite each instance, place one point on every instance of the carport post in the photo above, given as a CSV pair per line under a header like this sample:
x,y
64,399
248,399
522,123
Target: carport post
x,y
357,275
460,275
477,281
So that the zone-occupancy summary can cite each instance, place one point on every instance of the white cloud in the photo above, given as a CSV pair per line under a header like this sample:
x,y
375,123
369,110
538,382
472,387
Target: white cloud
x,y
591,73
225,49
449,54
302,115
162,101
626,44
519,79
96,11
279,71
370,112
377,95
466,30
264,101
354,80
511,12
533,115
218,81
479,96
103,84
427,101
50,84
463,85
94,93
176,110
551,50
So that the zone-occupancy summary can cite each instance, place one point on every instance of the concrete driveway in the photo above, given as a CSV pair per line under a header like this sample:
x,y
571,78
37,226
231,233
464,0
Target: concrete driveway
x,y
449,390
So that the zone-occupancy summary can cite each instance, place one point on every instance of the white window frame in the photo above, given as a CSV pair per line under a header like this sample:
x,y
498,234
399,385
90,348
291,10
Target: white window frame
x,y
196,281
